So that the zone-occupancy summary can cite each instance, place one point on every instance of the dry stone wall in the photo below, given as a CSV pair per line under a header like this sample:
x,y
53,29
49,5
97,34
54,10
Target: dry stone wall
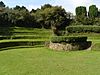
x,y
70,46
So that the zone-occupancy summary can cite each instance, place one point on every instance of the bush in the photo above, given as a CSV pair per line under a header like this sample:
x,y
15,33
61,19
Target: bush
x,y
83,29
59,39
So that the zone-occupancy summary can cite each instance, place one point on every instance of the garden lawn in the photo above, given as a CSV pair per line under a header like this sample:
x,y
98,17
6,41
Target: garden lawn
x,y
43,61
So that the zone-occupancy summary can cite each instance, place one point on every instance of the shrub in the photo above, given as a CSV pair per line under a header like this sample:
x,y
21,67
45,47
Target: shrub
x,y
83,29
59,39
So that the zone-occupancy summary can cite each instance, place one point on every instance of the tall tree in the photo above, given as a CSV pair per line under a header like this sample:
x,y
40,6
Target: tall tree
x,y
93,11
81,10
81,14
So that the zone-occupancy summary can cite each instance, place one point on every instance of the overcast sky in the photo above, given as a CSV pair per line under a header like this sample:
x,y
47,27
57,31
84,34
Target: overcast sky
x,y
69,5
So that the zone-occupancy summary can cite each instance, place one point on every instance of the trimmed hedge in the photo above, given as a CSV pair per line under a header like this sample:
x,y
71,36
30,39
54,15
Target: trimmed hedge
x,y
83,29
20,43
4,37
59,39
28,37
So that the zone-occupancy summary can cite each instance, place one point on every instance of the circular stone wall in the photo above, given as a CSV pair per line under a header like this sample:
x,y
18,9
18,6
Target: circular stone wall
x,y
70,46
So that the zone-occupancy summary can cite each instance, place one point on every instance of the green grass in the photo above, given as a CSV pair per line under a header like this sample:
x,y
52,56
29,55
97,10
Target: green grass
x,y
38,60
43,61
15,40
27,33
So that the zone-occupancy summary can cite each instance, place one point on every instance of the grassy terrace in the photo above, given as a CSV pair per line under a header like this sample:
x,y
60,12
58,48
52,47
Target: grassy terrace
x,y
20,36
26,33
40,60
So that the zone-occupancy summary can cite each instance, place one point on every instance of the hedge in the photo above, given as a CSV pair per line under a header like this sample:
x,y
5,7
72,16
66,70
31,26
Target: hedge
x,y
83,29
20,43
59,39
4,37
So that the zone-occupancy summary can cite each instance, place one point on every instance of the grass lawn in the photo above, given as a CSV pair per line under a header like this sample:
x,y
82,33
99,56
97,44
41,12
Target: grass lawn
x,y
43,61
39,60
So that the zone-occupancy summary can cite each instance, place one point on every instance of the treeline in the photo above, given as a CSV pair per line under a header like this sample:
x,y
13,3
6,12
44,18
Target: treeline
x,y
47,16
84,17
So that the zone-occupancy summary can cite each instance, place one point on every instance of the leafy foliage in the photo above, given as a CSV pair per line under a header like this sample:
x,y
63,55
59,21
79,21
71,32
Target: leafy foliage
x,y
83,29
49,17
59,39
93,11
81,14
91,19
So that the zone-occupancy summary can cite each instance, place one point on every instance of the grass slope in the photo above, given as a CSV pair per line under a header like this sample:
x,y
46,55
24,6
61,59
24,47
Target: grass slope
x,y
21,34
43,61
26,33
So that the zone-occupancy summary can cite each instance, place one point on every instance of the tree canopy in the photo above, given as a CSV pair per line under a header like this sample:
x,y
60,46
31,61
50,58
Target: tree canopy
x,y
93,11
48,16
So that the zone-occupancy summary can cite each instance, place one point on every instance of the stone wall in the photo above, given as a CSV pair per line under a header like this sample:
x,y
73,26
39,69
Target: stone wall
x,y
70,46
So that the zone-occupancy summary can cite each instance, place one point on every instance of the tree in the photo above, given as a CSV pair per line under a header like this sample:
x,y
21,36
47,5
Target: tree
x,y
93,11
48,16
99,13
21,17
2,4
54,17
4,17
81,10
57,16
46,6
33,11
81,14
5,22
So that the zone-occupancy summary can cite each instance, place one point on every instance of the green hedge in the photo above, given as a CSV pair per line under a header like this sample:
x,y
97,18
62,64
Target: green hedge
x,y
59,39
83,29
4,37
20,43
29,37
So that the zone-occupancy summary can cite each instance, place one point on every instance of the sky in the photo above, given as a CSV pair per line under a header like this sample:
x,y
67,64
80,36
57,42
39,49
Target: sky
x,y
69,5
